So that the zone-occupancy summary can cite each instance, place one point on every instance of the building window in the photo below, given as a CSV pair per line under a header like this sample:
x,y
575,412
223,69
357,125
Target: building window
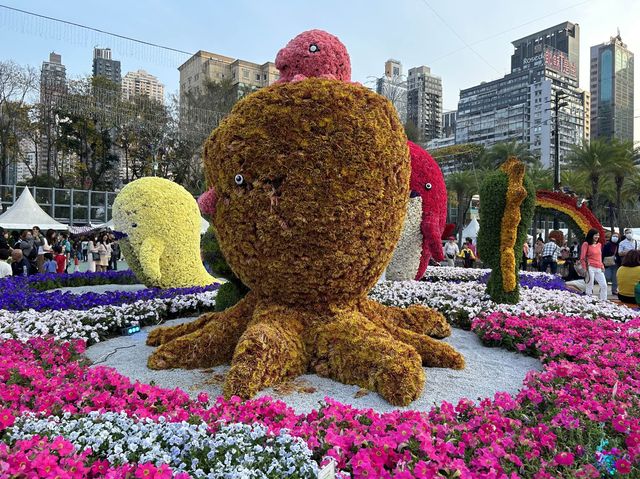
x,y
245,73
258,76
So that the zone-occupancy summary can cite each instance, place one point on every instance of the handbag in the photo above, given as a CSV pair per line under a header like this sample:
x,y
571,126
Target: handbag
x,y
609,261
95,256
580,269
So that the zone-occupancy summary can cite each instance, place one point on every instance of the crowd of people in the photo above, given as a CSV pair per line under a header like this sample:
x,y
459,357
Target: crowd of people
x,y
581,265
27,252
616,263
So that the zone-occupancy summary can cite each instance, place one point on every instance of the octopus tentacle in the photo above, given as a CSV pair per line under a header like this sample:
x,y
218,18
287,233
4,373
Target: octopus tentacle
x,y
165,334
270,350
353,350
211,345
416,318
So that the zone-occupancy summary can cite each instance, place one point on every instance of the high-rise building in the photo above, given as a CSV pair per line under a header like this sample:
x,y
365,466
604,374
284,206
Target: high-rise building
x,y
612,90
586,106
142,83
519,106
424,102
105,66
53,77
53,87
204,66
394,87
449,123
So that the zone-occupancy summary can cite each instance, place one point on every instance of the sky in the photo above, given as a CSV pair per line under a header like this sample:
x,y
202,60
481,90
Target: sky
x,y
464,42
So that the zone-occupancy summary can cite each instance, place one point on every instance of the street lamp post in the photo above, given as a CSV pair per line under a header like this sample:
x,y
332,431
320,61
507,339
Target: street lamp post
x,y
557,104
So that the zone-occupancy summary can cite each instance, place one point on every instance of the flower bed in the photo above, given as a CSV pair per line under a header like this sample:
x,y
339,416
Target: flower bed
x,y
579,417
462,302
21,294
100,322
456,274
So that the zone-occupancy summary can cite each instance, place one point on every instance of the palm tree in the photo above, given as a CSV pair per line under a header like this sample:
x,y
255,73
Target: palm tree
x,y
463,184
593,159
541,177
622,166
500,152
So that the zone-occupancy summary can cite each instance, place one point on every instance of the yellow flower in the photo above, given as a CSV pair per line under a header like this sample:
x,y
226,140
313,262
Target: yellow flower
x,y
162,223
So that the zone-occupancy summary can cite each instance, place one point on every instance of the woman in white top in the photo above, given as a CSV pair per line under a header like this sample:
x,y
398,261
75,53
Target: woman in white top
x,y
92,248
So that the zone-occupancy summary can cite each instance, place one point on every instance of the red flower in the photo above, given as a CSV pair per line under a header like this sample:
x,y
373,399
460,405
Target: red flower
x,y
564,459
623,466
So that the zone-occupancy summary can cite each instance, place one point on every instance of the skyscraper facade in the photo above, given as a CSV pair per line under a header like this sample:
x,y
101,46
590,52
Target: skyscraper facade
x,y
142,83
612,82
394,87
53,76
424,102
519,106
105,66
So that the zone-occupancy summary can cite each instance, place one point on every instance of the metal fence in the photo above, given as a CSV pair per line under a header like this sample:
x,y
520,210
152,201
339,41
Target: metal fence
x,y
69,206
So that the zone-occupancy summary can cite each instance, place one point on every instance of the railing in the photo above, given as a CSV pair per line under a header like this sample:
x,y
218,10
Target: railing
x,y
69,206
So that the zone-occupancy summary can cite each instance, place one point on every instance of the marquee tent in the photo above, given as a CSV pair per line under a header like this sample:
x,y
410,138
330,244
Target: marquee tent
x,y
25,213
471,230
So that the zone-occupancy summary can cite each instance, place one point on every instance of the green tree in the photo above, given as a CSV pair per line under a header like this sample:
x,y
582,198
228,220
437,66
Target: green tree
x,y
500,152
593,159
465,156
412,132
88,118
16,83
463,185
620,168
541,177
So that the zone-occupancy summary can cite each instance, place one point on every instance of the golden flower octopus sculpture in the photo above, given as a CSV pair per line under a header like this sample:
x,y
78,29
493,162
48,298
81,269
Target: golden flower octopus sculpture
x,y
310,184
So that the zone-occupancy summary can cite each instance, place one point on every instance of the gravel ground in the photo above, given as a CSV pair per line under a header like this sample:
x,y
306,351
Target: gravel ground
x,y
489,370
102,288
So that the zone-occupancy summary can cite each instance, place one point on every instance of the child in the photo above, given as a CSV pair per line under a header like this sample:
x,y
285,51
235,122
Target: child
x,y
60,259
467,255
50,266
5,268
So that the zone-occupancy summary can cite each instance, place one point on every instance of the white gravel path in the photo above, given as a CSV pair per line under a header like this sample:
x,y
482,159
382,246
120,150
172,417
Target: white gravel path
x,y
101,288
489,370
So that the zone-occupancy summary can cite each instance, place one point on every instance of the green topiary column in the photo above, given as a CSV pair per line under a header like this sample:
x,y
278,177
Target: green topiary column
x,y
507,203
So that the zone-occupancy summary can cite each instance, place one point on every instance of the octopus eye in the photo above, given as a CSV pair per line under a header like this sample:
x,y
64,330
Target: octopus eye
x,y
239,179
428,186
133,225
313,48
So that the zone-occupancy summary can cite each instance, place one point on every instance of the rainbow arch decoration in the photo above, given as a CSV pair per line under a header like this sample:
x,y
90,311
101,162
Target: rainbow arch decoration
x,y
578,218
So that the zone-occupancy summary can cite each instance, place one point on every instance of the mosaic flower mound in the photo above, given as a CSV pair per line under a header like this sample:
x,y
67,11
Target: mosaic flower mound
x,y
311,184
507,207
162,223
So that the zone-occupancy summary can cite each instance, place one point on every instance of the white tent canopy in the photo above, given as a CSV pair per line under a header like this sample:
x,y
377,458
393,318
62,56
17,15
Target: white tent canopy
x,y
471,230
25,213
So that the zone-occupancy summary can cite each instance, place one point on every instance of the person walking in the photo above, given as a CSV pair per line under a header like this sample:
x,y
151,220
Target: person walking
x,y
84,248
610,260
104,250
451,250
115,254
525,255
550,254
93,257
591,259
537,254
